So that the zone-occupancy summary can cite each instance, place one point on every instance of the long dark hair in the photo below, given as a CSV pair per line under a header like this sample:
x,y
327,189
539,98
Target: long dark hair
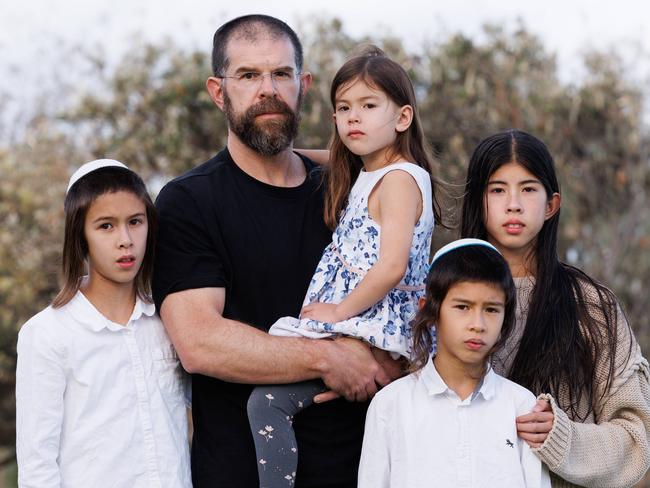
x,y
375,69
474,263
75,247
572,319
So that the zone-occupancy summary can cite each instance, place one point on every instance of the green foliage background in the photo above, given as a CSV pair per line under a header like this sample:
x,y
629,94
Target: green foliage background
x,y
153,113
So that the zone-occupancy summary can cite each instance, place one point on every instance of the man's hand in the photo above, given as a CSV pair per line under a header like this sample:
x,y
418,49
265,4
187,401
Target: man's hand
x,y
394,368
352,371
323,312
534,427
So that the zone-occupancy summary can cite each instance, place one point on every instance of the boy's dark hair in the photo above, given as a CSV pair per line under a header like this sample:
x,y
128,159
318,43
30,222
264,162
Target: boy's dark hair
x,y
474,263
75,247
250,27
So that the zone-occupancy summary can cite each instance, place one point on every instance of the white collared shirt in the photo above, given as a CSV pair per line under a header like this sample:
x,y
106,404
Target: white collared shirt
x,y
99,404
419,433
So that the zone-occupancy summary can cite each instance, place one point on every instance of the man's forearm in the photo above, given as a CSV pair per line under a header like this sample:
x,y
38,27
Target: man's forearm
x,y
239,353
210,344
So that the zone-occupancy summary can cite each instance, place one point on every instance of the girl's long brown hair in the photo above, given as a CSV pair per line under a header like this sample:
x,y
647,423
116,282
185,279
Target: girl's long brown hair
x,y
378,71
75,247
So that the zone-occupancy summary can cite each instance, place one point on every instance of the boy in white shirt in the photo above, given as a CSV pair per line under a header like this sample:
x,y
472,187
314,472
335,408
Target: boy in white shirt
x,y
451,423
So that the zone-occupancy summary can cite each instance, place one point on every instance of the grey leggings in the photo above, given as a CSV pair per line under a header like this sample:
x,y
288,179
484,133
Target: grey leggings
x,y
270,413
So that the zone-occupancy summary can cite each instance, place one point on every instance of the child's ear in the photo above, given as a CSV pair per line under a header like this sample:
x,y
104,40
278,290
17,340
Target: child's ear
x,y
553,205
404,118
421,302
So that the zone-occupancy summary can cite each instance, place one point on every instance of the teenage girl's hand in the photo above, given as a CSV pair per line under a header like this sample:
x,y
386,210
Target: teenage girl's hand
x,y
535,426
352,371
323,312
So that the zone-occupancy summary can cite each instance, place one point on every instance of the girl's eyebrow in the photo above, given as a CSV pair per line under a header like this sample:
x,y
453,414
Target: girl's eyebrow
x,y
368,97
112,217
524,182
104,217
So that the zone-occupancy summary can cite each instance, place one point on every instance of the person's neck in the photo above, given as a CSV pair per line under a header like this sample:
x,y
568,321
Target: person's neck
x,y
521,263
114,301
375,162
285,169
458,376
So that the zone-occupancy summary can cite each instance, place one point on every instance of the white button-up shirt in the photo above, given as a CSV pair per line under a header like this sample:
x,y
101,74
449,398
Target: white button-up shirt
x,y
99,404
419,433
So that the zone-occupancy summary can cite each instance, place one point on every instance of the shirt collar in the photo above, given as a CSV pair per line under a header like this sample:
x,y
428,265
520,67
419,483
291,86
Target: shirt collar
x,y
435,385
432,380
85,313
142,308
487,386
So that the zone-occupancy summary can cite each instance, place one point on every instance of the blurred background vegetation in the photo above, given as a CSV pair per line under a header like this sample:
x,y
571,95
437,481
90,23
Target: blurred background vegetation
x,y
153,113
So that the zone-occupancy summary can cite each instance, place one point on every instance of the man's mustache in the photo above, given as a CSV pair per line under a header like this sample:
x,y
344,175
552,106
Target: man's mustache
x,y
269,105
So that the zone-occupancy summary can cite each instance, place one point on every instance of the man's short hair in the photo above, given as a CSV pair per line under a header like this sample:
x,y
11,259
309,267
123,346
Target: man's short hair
x,y
251,27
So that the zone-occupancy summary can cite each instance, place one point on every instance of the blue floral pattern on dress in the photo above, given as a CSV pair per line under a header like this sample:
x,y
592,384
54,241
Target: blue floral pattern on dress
x,y
353,251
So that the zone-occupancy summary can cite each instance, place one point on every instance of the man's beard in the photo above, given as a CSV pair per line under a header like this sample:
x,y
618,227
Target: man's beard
x,y
269,137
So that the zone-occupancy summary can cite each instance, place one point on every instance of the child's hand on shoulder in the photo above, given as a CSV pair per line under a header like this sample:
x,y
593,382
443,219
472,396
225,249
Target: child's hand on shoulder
x,y
323,312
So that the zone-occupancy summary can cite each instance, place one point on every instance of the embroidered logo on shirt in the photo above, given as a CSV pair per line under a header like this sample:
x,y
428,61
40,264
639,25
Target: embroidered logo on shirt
x,y
509,443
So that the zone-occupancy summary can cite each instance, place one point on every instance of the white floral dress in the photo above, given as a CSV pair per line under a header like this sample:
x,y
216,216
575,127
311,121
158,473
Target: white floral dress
x,y
353,251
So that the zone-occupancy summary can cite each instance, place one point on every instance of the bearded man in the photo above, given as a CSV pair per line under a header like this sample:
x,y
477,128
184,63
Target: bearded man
x,y
240,236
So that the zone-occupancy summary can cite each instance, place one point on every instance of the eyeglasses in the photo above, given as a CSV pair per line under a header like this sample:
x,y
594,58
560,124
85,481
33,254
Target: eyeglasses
x,y
252,80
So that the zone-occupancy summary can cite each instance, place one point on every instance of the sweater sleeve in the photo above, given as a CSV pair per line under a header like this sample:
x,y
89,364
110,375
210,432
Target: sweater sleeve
x,y
614,451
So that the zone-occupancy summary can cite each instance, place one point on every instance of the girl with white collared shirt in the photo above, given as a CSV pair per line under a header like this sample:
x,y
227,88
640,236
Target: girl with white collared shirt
x,y
100,393
451,423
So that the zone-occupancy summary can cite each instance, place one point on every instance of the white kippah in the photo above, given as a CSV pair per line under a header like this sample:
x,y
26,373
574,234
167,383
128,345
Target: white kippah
x,y
460,243
93,166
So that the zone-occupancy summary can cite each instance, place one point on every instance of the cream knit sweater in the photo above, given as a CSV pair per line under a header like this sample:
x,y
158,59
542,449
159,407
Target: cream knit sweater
x,y
611,448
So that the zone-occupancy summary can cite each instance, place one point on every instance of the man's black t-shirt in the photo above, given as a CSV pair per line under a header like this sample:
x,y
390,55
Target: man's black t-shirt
x,y
219,227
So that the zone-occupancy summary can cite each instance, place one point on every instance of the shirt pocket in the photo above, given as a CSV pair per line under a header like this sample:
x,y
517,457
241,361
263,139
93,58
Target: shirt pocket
x,y
170,376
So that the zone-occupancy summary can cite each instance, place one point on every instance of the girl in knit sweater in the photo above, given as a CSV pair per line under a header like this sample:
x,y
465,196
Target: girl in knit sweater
x,y
572,344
